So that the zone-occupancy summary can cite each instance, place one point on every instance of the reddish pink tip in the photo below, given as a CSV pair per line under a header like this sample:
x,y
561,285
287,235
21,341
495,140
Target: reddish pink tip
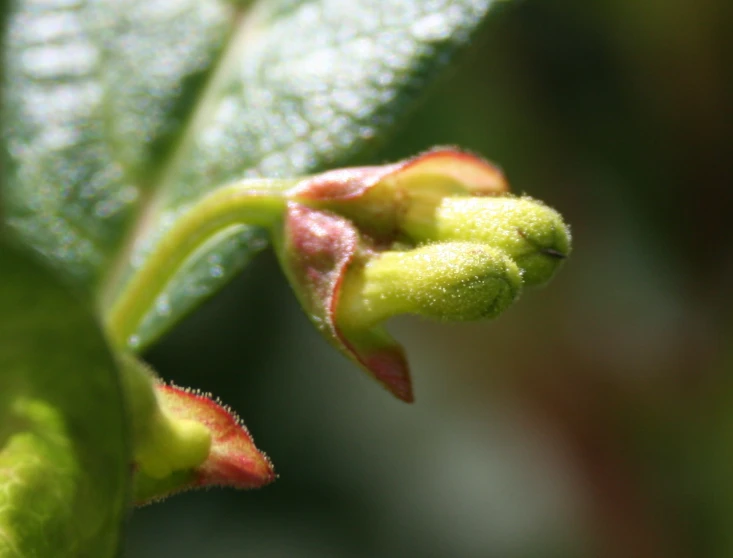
x,y
390,368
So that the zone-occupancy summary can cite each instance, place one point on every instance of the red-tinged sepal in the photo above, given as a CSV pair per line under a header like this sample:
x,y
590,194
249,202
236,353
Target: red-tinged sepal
x,y
233,459
316,248
462,171
447,168
382,357
377,198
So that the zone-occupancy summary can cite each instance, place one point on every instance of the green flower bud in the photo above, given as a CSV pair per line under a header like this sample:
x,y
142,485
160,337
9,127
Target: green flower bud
x,y
182,439
162,443
436,235
526,230
451,281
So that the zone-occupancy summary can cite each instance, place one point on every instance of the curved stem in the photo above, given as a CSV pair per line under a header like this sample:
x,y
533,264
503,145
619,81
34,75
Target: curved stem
x,y
256,202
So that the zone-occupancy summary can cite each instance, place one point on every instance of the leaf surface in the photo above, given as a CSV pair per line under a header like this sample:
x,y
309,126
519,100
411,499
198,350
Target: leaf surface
x,y
64,462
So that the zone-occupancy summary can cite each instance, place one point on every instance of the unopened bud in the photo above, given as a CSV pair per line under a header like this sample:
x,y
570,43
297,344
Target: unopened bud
x,y
437,235
450,281
526,230
162,443
182,439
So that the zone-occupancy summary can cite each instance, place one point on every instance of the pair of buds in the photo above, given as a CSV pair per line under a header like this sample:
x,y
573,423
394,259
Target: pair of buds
x,y
437,236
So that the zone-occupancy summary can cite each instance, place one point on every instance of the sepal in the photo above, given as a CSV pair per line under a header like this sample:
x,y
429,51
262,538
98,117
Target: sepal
x,y
316,248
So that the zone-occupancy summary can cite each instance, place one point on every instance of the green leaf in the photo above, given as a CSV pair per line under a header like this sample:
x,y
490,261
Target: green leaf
x,y
96,93
64,463
124,113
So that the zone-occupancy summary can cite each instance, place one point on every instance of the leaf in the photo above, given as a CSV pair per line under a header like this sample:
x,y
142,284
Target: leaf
x,y
122,114
95,95
64,462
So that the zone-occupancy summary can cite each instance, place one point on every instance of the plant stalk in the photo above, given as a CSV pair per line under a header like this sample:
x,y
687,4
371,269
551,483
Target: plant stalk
x,y
259,203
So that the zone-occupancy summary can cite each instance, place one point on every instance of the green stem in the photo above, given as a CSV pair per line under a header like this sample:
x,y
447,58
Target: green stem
x,y
256,202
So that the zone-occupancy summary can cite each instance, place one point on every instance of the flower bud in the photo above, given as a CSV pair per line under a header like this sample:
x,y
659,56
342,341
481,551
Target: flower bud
x,y
437,235
182,439
533,235
451,281
162,443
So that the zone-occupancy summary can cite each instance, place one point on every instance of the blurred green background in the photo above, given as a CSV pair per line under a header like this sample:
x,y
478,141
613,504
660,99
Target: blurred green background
x,y
593,419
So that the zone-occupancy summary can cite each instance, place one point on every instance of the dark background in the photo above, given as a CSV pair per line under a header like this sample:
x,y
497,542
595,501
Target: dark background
x,y
595,418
